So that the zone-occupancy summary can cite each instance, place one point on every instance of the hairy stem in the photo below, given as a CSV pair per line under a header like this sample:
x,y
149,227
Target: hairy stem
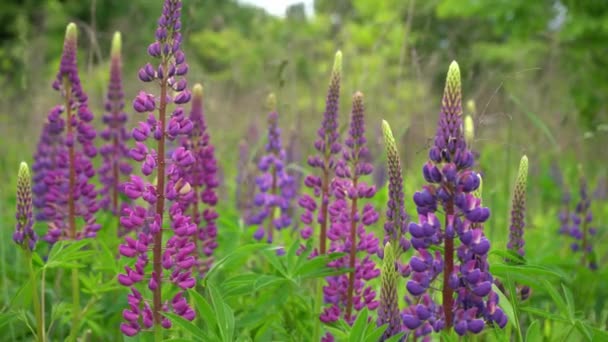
x,y
448,293
324,207
71,160
353,253
160,202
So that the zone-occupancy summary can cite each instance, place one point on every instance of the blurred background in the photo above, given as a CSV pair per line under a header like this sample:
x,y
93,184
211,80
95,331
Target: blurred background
x,y
537,70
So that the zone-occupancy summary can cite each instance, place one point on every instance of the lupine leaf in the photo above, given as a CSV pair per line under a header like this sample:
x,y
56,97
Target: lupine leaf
x,y
358,330
196,333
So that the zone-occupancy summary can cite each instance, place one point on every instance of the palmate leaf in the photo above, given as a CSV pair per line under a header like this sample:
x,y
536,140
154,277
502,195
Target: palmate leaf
x,y
70,254
196,333
239,254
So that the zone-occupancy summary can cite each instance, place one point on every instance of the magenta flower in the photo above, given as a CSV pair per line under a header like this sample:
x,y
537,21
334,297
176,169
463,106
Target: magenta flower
x,y
63,169
159,260
115,152
203,179
349,216
328,146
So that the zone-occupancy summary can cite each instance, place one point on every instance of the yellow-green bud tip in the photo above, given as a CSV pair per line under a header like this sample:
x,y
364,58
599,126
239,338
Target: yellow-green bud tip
x,y
24,170
469,130
387,132
523,166
197,90
71,31
116,44
338,63
471,108
271,102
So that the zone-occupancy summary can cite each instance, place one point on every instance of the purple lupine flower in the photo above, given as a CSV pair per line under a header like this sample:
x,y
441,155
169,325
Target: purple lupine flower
x,y
577,225
349,218
115,152
202,177
275,188
328,147
174,259
518,209
451,189
48,150
63,169
24,235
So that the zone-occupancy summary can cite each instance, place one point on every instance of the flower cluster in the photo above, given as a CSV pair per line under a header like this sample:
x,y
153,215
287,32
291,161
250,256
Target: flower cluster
x,y
275,185
451,189
115,152
63,167
174,260
577,224
518,209
348,221
202,177
328,146
24,235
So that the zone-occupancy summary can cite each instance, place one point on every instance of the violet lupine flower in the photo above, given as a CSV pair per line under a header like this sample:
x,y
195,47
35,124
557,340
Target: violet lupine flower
x,y
580,228
349,218
451,187
518,209
275,185
115,152
388,310
171,261
67,192
48,149
24,235
328,146
202,177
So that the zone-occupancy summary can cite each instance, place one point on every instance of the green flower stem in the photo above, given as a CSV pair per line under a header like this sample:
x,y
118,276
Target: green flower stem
x,y
75,305
38,312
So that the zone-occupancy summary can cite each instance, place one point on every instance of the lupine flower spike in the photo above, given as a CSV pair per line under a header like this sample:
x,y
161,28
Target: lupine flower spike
x,y
396,223
328,147
349,217
579,226
468,302
115,152
388,311
202,177
66,191
174,259
24,235
275,185
518,209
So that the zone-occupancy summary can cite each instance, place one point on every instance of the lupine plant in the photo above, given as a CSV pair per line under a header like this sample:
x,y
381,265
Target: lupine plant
x,y
275,186
26,238
67,168
461,269
64,168
395,240
202,178
174,259
518,209
577,224
328,146
349,218
116,162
